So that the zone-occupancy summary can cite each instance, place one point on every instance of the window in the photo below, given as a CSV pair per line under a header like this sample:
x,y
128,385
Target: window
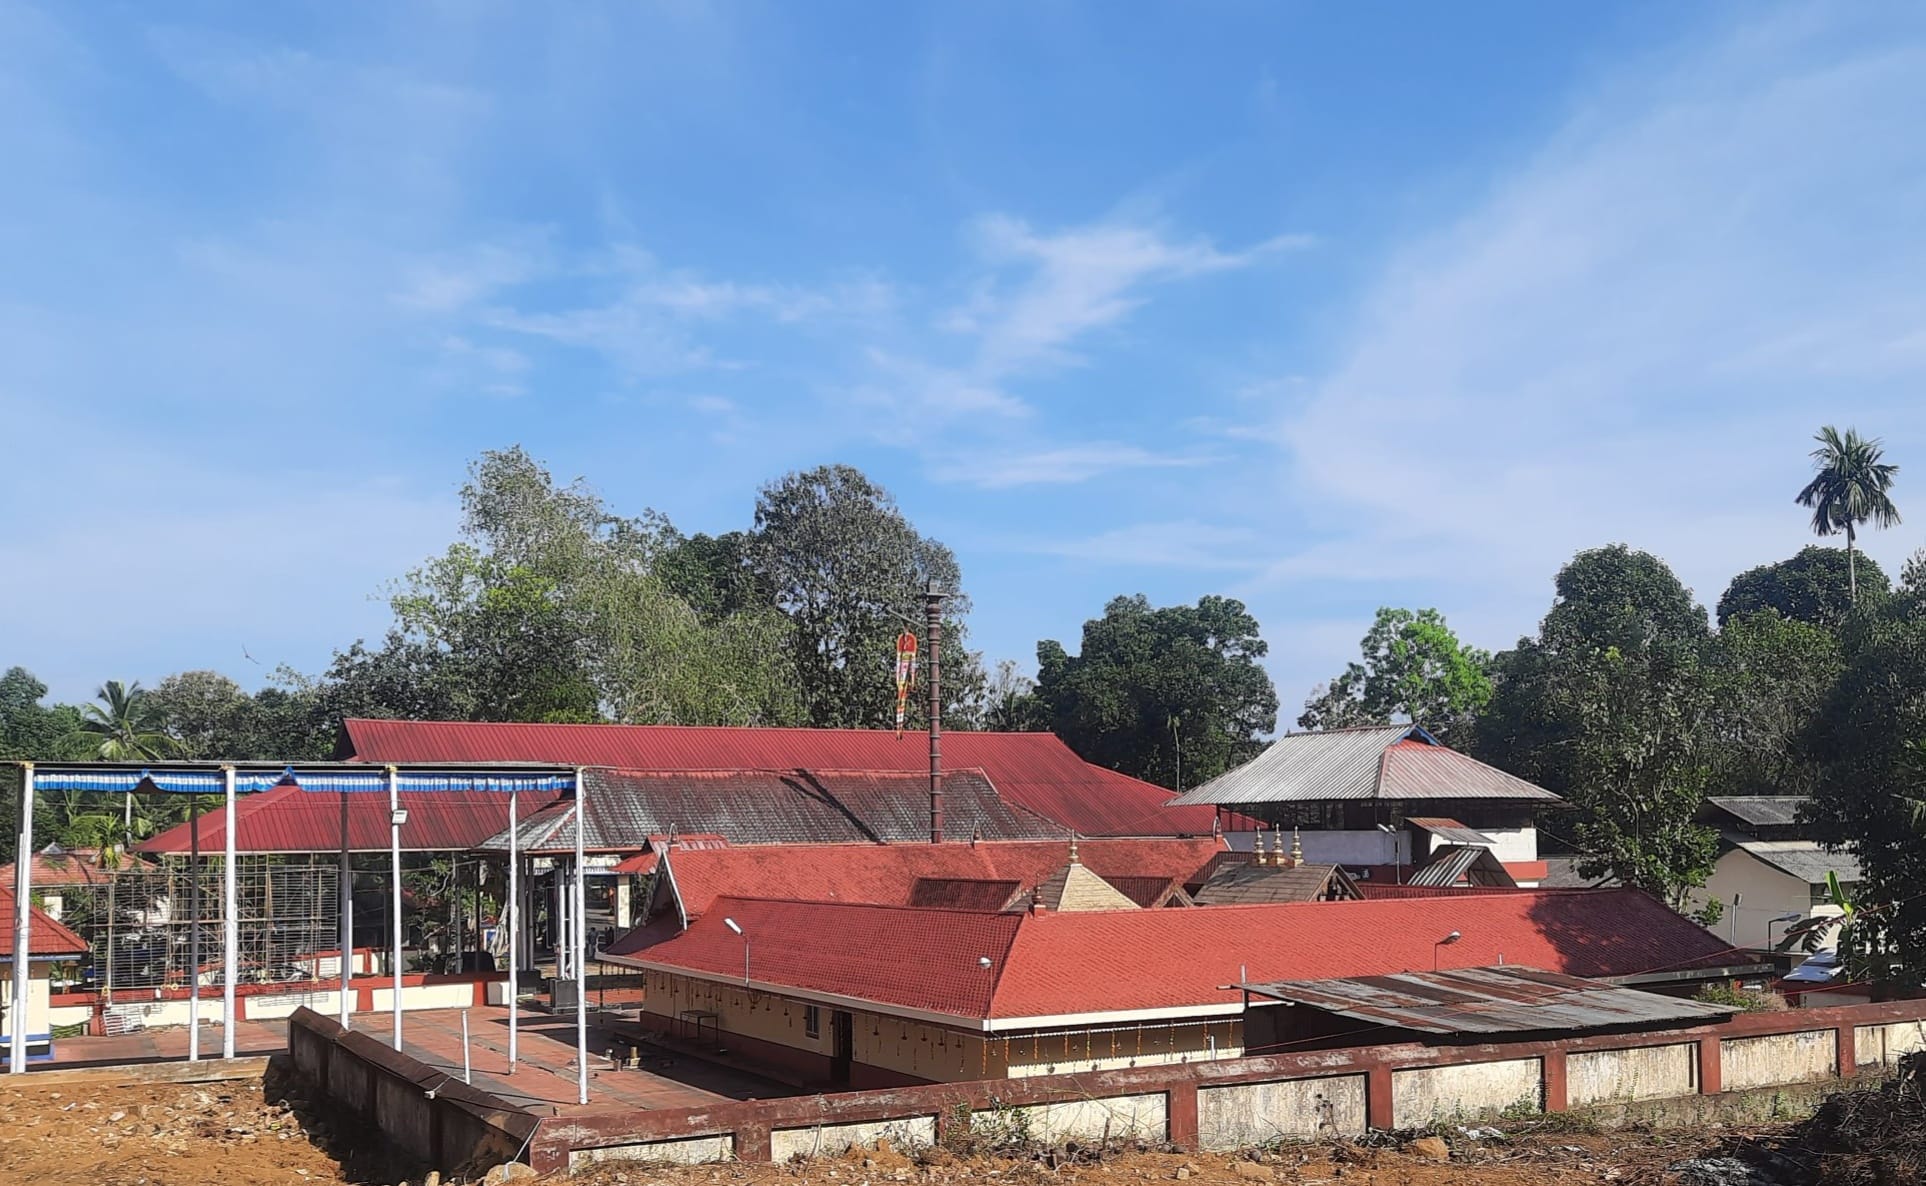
x,y
812,1021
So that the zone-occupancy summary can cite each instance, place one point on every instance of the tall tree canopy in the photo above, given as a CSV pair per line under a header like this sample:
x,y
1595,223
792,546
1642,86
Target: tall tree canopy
x,y
1852,486
1156,689
1413,668
1609,706
849,571
121,724
1814,586
1768,678
29,731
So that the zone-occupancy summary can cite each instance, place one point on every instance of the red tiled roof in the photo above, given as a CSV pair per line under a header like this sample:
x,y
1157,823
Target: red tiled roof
x,y
45,935
74,866
887,873
288,818
1033,770
1128,961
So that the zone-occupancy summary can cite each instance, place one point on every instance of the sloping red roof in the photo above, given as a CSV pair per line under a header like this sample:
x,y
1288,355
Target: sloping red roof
x,y
46,937
887,873
75,866
1061,965
291,819
1033,770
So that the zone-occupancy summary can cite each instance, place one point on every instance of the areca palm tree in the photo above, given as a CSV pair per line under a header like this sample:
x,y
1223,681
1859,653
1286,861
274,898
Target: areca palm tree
x,y
1851,487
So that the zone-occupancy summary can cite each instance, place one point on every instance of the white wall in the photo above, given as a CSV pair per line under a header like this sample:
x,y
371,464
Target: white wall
x,y
1766,893
1353,847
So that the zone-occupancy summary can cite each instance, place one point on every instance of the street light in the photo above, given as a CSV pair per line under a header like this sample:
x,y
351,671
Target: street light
x,y
737,928
1447,941
1795,916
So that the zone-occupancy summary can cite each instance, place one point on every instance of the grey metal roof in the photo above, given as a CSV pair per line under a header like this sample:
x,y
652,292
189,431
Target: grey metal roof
x,y
1760,811
1239,885
626,807
1803,859
1489,1001
1448,830
1450,862
1562,873
1352,764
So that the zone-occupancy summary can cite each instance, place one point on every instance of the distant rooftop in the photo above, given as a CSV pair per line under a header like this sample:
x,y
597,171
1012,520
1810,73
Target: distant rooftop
x,y
1393,763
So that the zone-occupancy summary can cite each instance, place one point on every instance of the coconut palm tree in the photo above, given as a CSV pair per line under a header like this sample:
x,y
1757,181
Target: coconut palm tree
x,y
122,725
1849,488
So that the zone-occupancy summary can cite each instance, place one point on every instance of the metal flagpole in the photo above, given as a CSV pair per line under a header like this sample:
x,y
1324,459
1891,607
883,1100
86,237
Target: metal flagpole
x,y
194,929
232,918
581,949
347,917
22,928
512,920
394,851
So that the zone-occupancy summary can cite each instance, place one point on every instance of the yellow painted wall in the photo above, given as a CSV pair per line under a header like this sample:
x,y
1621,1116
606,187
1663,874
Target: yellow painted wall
x,y
1146,1046
39,995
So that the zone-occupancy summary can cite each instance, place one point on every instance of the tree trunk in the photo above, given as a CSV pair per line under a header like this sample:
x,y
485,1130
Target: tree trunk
x,y
1852,570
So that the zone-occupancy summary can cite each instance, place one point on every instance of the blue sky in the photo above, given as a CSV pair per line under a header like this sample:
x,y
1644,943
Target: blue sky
x,y
1323,306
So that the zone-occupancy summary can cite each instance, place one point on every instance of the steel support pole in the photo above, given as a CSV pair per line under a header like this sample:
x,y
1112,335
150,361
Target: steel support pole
x,y
231,920
581,948
394,852
194,929
511,921
22,928
346,876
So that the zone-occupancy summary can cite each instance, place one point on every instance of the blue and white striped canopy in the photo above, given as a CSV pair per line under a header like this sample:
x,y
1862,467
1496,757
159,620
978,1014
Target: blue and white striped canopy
x,y
212,782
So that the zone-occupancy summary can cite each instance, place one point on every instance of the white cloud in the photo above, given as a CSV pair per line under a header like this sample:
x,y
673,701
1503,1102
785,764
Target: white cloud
x,y
1635,335
1064,465
1184,544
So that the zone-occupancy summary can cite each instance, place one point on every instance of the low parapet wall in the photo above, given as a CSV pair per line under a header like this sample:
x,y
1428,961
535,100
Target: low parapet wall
x,y
440,1121
1243,1101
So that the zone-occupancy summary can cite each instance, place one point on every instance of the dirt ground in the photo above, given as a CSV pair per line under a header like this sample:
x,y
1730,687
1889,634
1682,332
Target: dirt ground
x,y
240,1134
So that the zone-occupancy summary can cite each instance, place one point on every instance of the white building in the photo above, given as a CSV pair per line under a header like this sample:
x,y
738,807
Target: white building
x,y
1768,875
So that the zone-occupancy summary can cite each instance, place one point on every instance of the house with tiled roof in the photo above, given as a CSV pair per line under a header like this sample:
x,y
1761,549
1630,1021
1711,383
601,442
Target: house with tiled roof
x,y
1381,800
875,995
57,873
983,875
1035,772
49,943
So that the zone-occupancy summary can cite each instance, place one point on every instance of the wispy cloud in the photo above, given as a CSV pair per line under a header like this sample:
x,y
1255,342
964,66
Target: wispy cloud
x,y
1635,335
1184,543
1061,466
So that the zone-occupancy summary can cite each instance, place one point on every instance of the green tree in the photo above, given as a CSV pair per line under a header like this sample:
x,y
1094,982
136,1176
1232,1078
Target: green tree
x,y
1161,693
1814,586
121,724
1852,486
849,571
1414,668
1769,678
1867,740
1010,702
29,731
1609,706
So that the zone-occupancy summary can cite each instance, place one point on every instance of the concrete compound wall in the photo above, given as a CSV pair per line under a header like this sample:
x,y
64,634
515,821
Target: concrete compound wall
x,y
1622,1076
1465,1091
1666,1077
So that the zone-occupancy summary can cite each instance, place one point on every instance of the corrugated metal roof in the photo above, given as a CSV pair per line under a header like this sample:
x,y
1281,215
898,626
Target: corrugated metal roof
x,y
1394,763
289,819
626,807
1761,811
1474,863
1562,873
1449,830
1036,771
1500,1000
1803,859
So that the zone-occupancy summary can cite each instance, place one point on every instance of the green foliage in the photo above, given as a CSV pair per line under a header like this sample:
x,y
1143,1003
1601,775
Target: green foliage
x,y
1610,706
120,725
1814,586
1414,668
1731,997
29,731
1153,687
1852,486
1768,679
849,571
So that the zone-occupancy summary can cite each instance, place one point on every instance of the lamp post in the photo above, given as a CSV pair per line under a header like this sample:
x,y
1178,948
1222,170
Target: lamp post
x,y
1438,946
733,925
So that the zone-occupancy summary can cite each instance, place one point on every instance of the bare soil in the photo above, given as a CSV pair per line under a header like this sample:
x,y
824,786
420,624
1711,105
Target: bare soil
x,y
240,1134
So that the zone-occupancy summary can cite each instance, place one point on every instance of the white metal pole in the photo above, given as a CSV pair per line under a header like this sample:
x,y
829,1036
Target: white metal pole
x,y
512,920
467,1075
581,949
232,918
394,852
194,929
22,928
346,876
